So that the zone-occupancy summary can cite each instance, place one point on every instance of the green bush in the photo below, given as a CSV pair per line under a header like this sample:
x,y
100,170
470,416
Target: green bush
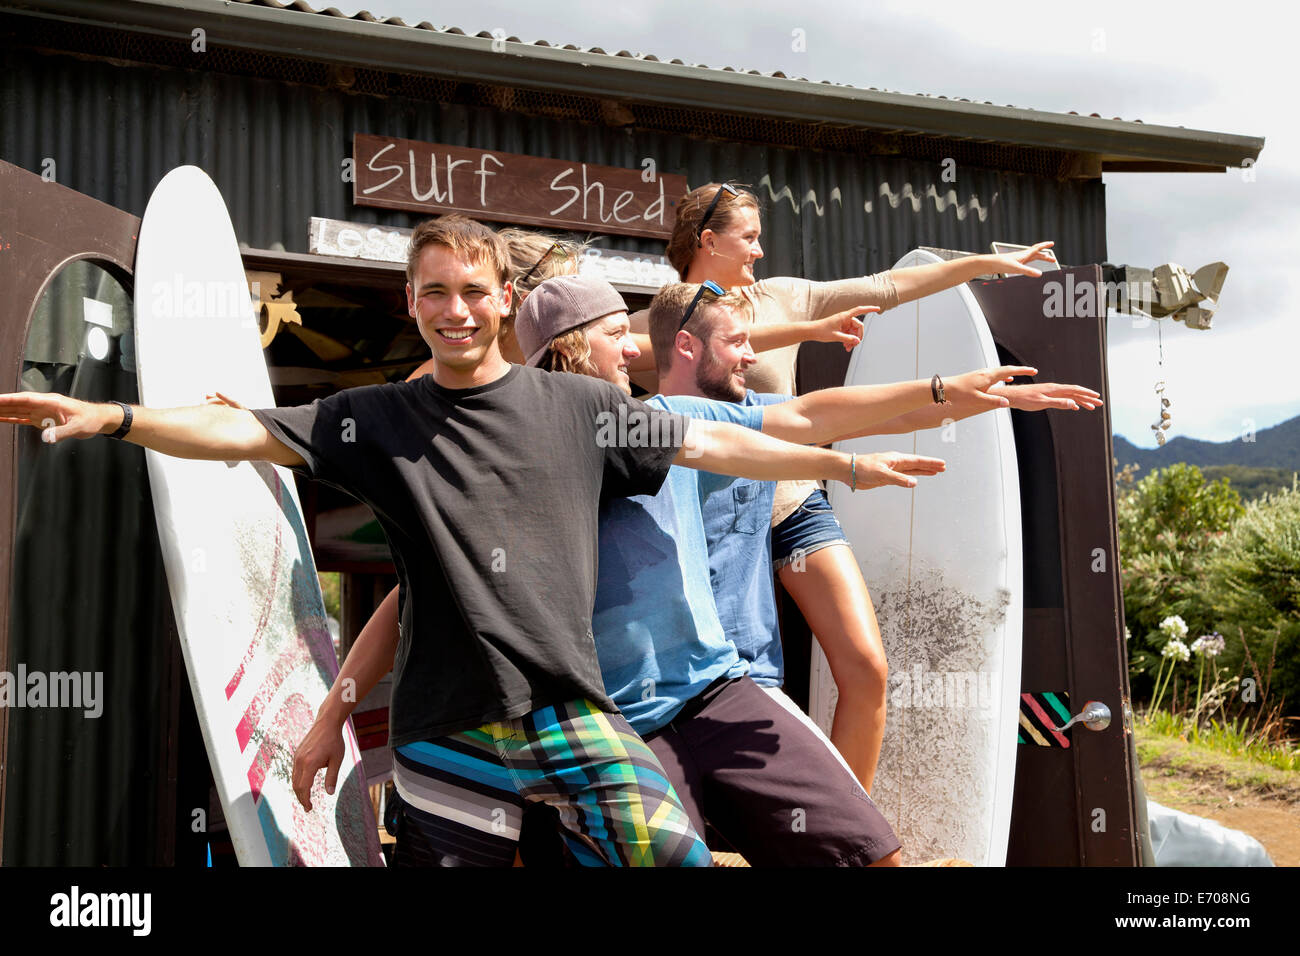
x,y
1252,582
1170,523
1252,483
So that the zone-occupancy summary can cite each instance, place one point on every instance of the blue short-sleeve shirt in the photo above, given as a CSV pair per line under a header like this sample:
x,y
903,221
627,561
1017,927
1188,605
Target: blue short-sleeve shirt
x,y
659,639
737,524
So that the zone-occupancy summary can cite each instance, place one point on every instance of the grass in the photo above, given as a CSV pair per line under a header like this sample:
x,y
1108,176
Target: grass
x,y
1177,770
1230,738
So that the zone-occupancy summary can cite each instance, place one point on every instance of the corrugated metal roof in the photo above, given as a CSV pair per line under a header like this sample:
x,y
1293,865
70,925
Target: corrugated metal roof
x,y
363,41
365,16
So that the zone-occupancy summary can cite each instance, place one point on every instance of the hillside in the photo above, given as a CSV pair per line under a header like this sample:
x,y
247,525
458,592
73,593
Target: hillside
x,y
1251,483
1276,447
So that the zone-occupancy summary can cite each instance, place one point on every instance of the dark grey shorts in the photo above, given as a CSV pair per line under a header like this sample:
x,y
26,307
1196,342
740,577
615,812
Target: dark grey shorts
x,y
765,782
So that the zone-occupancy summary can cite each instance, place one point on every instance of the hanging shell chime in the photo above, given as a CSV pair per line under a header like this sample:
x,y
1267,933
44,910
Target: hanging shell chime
x,y
1162,426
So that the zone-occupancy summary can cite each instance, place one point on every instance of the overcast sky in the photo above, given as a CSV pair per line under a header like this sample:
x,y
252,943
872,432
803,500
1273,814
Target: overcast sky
x,y
1230,68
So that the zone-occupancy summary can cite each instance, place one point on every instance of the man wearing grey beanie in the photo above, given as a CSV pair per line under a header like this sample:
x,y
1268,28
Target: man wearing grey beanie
x,y
732,750
665,658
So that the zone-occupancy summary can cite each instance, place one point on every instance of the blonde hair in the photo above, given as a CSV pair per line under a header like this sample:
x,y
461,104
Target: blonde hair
x,y
534,258
569,352
538,256
685,239
668,307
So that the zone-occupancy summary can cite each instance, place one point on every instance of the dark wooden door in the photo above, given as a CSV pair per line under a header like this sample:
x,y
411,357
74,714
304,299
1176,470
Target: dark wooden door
x,y
92,780
1075,804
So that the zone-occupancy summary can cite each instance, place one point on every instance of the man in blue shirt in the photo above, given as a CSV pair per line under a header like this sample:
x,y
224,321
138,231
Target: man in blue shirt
x,y
708,357
766,782
761,775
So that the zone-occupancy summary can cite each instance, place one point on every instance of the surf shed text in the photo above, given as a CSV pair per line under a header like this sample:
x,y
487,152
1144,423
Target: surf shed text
x,y
432,178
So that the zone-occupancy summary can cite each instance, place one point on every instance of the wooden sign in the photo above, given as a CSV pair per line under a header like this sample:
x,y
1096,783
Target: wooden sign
x,y
626,271
355,240
507,187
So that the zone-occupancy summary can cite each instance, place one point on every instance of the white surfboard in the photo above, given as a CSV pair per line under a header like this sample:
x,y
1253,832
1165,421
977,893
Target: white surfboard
x,y
243,583
943,564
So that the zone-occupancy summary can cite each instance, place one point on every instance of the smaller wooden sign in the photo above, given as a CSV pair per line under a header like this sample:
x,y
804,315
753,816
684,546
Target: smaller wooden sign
x,y
507,187
624,270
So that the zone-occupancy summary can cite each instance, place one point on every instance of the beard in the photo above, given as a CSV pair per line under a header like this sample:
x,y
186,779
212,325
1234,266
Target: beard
x,y
714,380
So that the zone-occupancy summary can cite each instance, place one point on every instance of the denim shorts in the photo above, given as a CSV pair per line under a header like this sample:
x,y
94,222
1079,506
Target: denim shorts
x,y
810,528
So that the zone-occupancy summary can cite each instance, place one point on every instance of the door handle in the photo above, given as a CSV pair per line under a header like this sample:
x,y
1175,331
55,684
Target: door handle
x,y
1095,716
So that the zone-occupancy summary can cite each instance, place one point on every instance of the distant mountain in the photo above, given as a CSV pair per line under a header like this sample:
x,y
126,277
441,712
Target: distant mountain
x,y
1276,447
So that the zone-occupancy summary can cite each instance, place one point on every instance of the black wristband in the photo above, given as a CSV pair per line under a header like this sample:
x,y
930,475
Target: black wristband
x,y
126,420
936,389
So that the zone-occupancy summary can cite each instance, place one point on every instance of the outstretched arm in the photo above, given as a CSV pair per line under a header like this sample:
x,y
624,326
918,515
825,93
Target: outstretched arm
x,y
831,414
916,282
844,327
370,658
204,432
727,449
1034,397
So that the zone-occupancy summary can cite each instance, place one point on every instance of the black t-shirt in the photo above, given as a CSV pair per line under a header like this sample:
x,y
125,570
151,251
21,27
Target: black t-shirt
x,y
490,499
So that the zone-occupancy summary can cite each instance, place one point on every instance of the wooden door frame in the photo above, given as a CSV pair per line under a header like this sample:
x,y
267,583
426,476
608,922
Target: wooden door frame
x,y
43,228
1072,348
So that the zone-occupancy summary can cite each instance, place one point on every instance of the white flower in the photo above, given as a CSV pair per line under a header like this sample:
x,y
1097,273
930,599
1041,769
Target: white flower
x,y
1174,626
1127,635
1176,649
1210,645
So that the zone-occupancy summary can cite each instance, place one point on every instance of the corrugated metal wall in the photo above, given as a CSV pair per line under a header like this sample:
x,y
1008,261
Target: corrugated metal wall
x,y
276,151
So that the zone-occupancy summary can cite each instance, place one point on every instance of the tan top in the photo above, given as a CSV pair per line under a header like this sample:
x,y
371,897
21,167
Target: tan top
x,y
790,300
787,299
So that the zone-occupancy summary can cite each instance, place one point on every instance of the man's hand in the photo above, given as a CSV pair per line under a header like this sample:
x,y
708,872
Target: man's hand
x,y
1036,397
321,747
201,432
891,468
219,398
1017,263
58,416
975,389
844,327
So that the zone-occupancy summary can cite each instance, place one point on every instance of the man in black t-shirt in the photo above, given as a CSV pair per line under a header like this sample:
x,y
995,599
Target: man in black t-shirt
x,y
487,480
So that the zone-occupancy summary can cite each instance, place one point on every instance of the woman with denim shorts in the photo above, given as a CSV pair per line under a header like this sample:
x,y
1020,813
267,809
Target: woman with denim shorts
x,y
716,237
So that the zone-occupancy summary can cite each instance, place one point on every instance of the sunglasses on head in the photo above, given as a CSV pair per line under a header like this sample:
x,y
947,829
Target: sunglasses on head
x,y
708,285
708,213
554,247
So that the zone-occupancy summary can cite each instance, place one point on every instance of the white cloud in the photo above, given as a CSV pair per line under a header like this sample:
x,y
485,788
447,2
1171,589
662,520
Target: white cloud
x,y
1217,381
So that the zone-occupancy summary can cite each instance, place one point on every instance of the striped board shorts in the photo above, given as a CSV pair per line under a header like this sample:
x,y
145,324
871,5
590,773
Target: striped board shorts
x,y
463,794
